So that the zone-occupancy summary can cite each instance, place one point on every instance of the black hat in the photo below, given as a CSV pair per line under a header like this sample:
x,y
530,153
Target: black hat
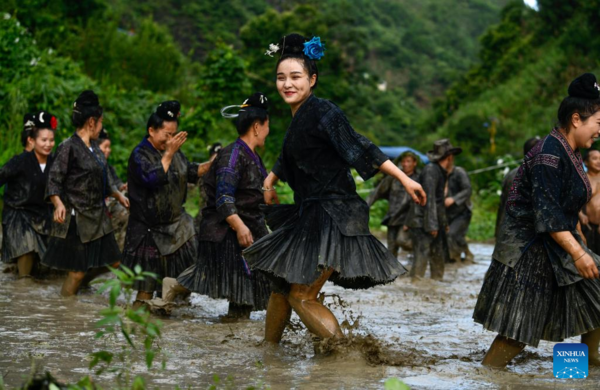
x,y
45,120
585,87
103,134
86,98
441,149
169,110
28,121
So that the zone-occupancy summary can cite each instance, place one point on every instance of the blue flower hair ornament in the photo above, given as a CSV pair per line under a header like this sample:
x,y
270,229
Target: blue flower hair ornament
x,y
314,49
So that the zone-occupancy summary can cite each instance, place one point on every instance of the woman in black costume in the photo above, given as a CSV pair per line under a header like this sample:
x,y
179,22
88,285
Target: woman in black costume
x,y
160,235
543,282
232,219
81,239
26,216
325,234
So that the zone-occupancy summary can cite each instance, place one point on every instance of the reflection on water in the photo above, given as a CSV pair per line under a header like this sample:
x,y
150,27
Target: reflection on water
x,y
421,333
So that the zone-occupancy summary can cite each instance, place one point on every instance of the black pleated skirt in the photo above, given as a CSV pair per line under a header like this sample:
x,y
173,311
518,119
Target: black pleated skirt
x,y
70,254
525,303
303,245
149,258
20,238
220,272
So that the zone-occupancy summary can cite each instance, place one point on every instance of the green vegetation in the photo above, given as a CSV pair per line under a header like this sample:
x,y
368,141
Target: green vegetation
x,y
486,74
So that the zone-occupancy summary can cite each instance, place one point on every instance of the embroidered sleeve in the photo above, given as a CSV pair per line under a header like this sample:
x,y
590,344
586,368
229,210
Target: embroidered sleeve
x,y
547,181
354,148
227,183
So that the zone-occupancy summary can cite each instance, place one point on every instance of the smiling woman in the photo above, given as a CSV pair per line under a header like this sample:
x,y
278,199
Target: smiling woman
x,y
543,281
81,237
325,235
26,215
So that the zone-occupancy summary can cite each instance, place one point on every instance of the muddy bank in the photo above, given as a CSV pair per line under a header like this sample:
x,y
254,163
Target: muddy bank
x,y
421,333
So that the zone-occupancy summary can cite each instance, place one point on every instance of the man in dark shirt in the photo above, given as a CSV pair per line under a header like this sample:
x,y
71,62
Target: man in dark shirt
x,y
428,224
458,211
399,204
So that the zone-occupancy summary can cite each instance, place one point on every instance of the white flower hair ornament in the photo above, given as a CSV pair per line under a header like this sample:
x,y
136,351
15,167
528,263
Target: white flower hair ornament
x,y
273,48
597,86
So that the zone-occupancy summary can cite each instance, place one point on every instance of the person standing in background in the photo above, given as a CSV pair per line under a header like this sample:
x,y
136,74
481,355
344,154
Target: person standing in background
x,y
428,224
399,204
458,211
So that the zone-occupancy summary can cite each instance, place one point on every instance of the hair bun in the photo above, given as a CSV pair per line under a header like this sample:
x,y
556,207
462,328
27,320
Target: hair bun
x,y
585,87
45,120
87,98
257,100
169,110
292,44
28,121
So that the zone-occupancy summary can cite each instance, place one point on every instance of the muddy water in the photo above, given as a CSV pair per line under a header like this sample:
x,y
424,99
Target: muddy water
x,y
421,333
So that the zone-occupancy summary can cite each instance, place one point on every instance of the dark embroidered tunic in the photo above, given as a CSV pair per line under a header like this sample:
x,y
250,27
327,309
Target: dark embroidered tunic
x,y
548,192
506,186
319,148
459,189
432,216
399,200
25,191
79,176
233,186
156,199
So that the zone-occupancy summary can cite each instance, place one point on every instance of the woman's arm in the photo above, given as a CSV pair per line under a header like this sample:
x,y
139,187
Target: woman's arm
x,y
244,235
60,212
269,189
413,188
583,260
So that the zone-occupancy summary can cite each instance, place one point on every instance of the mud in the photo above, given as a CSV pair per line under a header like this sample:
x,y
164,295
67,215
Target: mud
x,y
419,332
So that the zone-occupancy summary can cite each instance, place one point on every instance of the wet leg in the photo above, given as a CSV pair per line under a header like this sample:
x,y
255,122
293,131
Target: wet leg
x,y
278,315
501,352
317,318
95,272
438,255
25,264
422,244
392,237
72,283
171,289
592,340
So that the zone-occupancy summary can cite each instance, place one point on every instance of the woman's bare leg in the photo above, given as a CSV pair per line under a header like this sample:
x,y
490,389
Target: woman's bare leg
x,y
502,351
278,315
317,318
71,283
25,264
592,340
